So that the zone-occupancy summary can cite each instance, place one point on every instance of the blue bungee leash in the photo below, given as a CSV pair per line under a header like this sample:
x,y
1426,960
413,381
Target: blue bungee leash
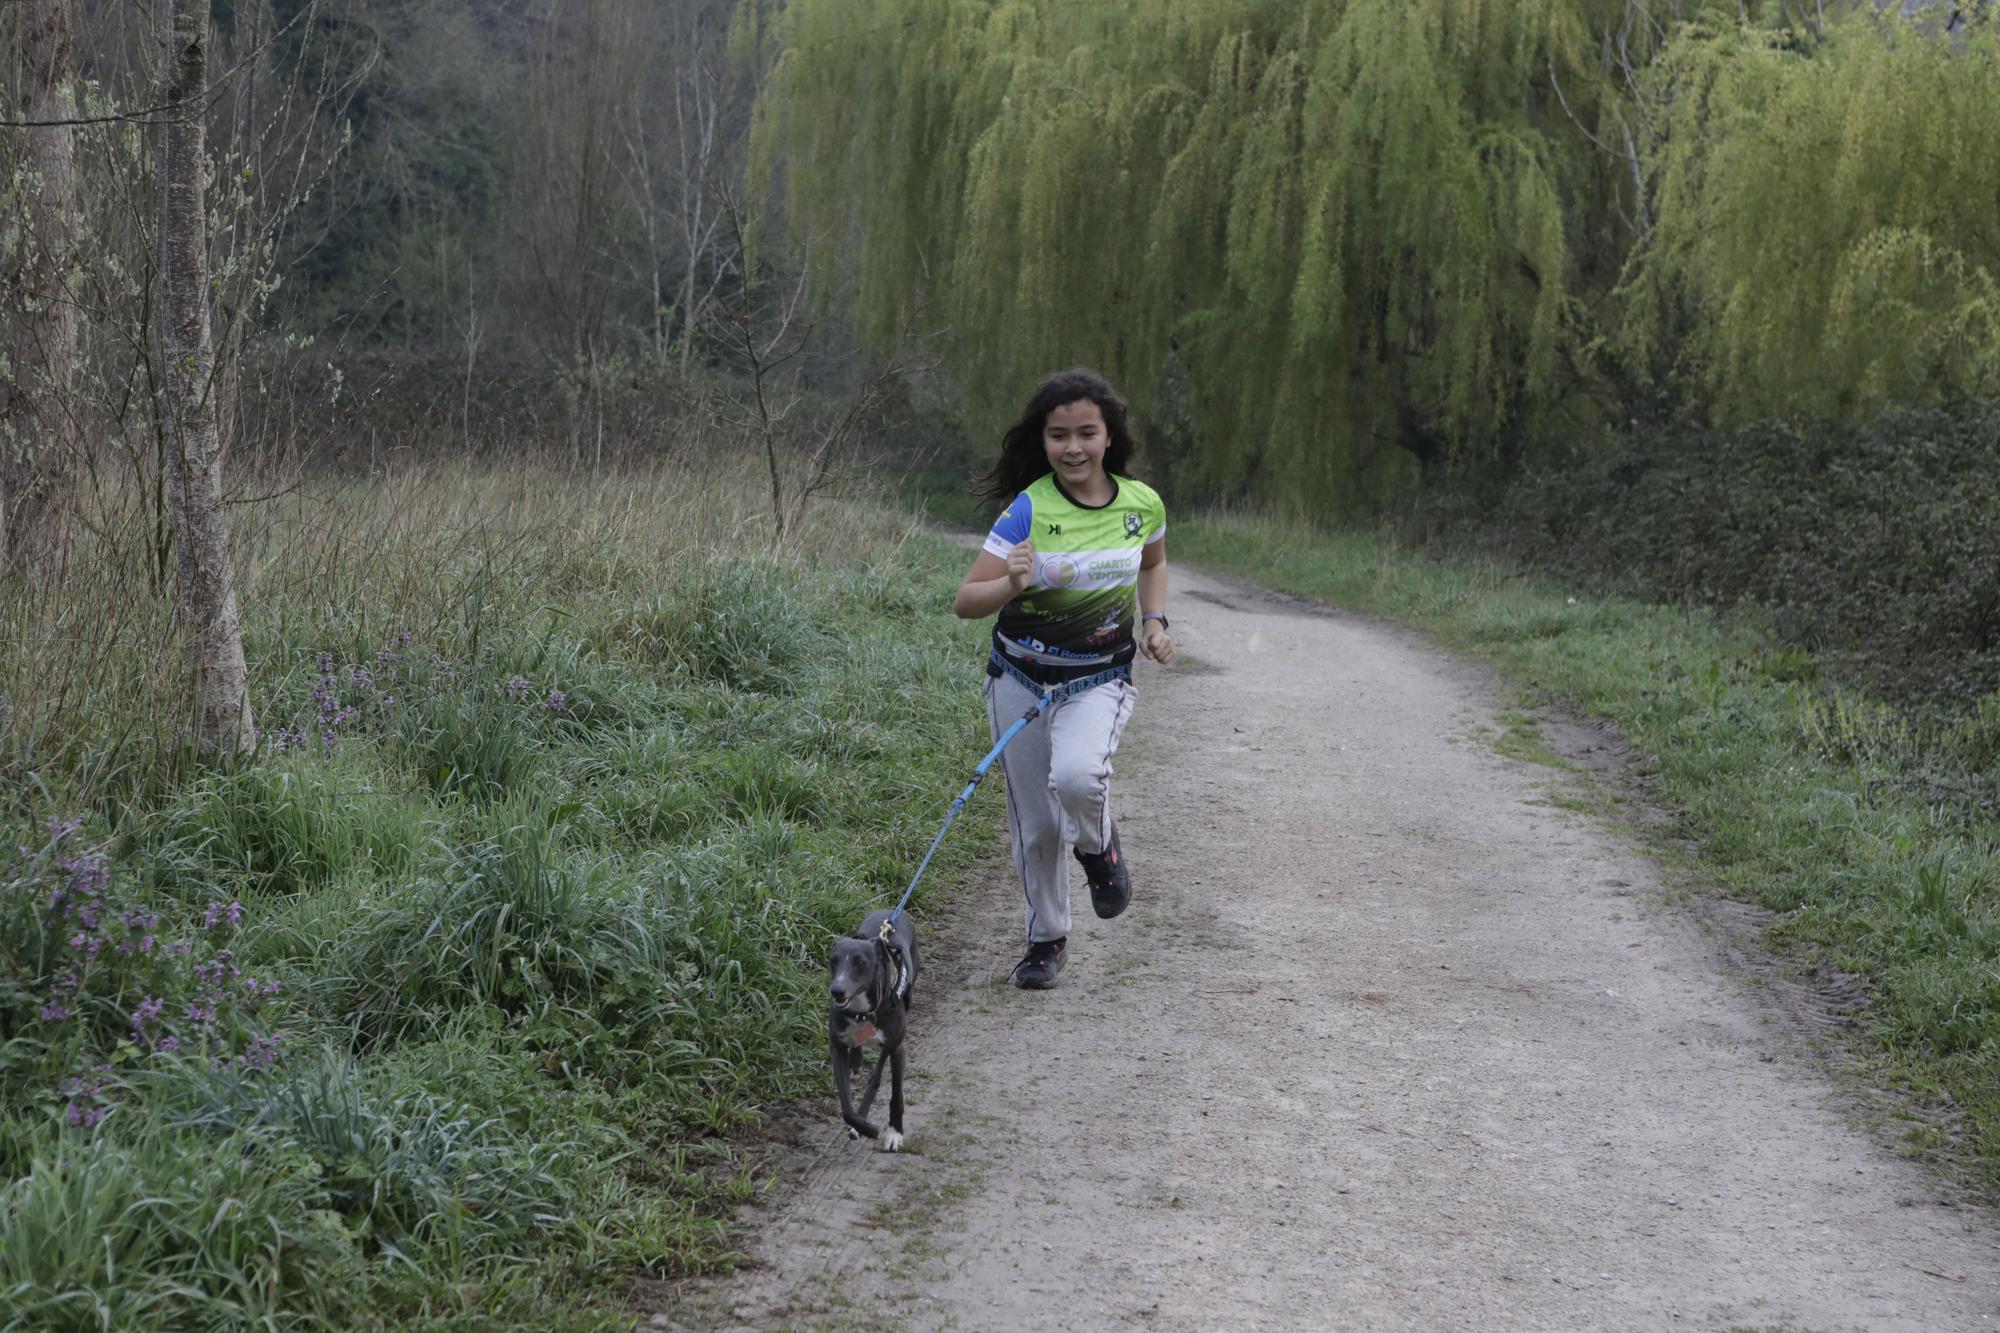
x,y
1050,695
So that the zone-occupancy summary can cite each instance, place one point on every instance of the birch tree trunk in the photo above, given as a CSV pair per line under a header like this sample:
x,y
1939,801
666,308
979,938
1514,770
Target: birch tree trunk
x,y
207,586
37,399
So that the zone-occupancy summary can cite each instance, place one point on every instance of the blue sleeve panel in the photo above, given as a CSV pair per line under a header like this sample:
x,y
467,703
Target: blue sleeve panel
x,y
1012,527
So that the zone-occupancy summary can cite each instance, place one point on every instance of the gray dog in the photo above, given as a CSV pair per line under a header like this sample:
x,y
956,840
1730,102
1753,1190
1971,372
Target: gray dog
x,y
873,970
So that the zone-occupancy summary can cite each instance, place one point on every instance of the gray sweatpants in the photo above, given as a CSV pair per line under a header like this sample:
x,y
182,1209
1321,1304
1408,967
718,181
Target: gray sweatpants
x,y
1058,773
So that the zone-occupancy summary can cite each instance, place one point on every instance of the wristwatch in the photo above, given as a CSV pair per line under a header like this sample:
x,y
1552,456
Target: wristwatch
x,y
1160,616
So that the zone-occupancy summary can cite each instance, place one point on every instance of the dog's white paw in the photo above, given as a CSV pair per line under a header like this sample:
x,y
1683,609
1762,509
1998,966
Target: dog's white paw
x,y
892,1141
852,1133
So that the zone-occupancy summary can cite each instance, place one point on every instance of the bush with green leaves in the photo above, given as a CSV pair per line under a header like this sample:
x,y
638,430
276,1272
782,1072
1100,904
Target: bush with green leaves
x,y
1877,543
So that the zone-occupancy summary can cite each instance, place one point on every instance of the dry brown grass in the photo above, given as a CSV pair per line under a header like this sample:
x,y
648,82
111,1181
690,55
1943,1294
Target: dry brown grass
x,y
94,688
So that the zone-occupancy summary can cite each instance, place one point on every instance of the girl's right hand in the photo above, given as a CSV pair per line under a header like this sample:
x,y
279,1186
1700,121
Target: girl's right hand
x,y
1021,566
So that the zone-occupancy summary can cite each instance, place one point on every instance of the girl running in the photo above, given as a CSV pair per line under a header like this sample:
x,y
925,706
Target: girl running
x,y
1060,566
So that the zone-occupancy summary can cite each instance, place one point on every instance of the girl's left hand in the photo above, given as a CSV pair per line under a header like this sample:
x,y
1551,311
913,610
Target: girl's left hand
x,y
1156,643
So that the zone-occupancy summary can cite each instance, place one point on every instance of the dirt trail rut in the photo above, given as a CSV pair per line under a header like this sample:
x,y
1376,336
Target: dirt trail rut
x,y
1387,1040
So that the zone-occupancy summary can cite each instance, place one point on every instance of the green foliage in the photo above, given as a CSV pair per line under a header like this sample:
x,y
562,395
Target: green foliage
x,y
1825,220
167,1231
100,980
291,825
408,1165
1326,241
1873,543
737,622
1343,222
469,741
503,1017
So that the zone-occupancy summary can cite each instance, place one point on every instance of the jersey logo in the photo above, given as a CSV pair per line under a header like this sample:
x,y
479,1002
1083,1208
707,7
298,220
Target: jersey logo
x,y
1132,525
1055,529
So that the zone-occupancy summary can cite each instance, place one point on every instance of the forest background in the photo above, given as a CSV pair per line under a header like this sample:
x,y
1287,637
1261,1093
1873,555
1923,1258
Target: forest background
x,y
519,307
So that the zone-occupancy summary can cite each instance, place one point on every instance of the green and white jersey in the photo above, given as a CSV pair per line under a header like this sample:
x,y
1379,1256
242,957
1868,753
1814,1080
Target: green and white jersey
x,y
1079,609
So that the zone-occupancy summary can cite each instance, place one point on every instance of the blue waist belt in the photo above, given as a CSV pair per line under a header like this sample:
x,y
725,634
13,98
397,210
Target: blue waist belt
x,y
1002,664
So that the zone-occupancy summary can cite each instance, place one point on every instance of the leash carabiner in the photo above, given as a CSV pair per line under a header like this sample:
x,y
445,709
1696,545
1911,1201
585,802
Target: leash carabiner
x,y
978,774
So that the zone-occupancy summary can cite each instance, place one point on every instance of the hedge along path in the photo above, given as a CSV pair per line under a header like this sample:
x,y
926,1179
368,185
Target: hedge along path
x,y
1388,1039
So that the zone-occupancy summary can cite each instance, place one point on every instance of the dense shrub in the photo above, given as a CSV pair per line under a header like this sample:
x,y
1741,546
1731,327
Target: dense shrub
x,y
1878,544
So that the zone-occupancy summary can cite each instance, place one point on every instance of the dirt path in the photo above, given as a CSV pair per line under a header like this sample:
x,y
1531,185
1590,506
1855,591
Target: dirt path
x,y
1387,1040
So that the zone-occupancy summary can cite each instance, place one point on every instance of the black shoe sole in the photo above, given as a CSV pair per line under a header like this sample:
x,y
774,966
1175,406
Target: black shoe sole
x,y
1034,983
1097,903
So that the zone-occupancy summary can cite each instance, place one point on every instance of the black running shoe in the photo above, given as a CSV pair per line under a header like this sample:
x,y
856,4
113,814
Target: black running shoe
x,y
1038,970
1110,886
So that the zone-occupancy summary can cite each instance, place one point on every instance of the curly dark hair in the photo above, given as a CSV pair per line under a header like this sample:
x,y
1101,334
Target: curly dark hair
x,y
1022,459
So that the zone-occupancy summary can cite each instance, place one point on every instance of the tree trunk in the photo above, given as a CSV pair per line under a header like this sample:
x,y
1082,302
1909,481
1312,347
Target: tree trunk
x,y
208,589
37,403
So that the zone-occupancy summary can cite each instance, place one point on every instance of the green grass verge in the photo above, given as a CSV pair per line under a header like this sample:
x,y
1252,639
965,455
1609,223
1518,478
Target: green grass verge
x,y
1875,838
439,1011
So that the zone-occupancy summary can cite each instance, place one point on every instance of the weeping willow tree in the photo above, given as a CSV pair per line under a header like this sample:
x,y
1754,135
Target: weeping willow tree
x,y
1827,236
1347,240
1336,230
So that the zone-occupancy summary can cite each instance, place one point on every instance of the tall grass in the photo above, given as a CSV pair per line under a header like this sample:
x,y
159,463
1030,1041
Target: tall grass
x,y
562,787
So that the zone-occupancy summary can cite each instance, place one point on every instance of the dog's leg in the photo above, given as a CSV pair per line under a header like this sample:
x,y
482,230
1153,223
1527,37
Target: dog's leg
x,y
892,1137
857,1125
874,1082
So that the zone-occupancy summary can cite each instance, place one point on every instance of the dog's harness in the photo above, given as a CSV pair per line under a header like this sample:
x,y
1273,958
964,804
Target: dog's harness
x,y
901,973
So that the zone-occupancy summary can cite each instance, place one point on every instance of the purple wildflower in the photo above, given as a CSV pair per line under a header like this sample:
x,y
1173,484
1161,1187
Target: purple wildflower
x,y
518,688
201,1015
234,912
84,1117
88,875
263,1052
326,664
148,1011
169,1043
53,1012
556,702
